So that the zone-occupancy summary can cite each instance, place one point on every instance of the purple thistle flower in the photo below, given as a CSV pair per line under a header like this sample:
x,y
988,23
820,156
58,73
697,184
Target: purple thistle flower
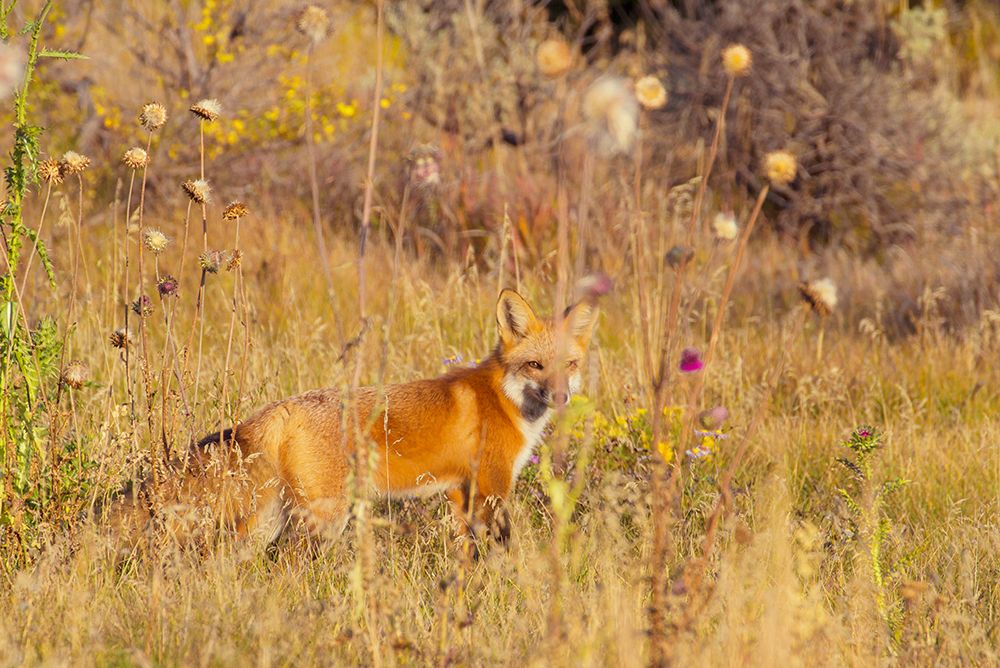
x,y
691,361
167,286
534,459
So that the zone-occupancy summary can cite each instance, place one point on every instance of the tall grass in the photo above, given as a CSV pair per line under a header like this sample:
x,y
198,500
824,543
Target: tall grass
x,y
651,530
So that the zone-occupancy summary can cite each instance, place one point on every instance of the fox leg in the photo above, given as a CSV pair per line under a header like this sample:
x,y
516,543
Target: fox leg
x,y
483,508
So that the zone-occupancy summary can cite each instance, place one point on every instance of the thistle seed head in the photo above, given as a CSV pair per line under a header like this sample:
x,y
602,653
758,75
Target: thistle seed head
x,y
135,158
234,259
820,295
198,190
50,171
120,338
314,23
650,92
153,116
725,227
155,241
554,58
780,167
736,60
208,109
210,261
75,375
235,210
73,163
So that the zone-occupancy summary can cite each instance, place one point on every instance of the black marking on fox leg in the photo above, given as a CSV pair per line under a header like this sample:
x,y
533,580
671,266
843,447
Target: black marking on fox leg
x,y
533,406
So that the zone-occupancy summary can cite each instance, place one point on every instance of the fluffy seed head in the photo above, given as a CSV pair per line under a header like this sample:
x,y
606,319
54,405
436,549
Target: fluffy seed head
x,y
143,306
650,92
198,190
210,261
74,163
75,374
153,116
167,286
725,227
314,23
554,57
135,158
208,109
120,338
612,112
235,210
780,167
155,241
736,60
50,171
820,295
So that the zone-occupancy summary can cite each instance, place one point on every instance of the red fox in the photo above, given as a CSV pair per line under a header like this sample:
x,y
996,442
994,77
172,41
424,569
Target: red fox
x,y
467,433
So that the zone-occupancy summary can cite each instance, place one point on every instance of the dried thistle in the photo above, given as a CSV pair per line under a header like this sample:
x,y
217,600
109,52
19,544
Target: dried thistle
x,y
234,259
168,286
208,109
554,57
50,171
314,23
135,158
73,163
820,295
725,227
650,92
235,210
210,261
75,375
155,241
780,167
198,190
143,306
153,116
612,113
120,338
736,60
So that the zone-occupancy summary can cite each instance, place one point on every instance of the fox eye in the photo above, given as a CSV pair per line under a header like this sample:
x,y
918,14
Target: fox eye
x,y
535,365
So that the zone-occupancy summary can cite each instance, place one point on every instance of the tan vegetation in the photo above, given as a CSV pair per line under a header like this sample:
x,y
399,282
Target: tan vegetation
x,y
786,451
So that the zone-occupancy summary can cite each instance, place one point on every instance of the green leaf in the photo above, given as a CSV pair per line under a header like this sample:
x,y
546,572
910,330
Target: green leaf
x,y
62,55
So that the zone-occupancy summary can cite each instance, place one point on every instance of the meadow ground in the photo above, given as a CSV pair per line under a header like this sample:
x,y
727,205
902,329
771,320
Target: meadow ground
x,y
844,511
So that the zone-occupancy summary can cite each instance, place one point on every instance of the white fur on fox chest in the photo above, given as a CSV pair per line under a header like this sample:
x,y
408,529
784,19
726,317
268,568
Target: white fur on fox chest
x,y
532,433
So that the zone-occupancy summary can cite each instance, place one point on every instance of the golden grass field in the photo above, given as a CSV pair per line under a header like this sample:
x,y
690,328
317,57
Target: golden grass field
x,y
637,539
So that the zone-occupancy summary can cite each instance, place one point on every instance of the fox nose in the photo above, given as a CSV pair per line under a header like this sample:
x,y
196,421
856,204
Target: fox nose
x,y
560,398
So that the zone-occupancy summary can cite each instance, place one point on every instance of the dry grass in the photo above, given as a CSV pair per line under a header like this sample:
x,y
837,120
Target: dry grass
x,y
787,568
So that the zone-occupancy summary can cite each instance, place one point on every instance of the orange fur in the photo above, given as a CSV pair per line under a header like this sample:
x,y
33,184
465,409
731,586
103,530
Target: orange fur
x,y
466,433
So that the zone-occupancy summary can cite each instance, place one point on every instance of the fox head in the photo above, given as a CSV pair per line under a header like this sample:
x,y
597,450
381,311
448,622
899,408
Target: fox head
x,y
541,360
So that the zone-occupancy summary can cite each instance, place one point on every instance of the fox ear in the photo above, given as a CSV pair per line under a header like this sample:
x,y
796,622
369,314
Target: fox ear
x,y
580,319
514,317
